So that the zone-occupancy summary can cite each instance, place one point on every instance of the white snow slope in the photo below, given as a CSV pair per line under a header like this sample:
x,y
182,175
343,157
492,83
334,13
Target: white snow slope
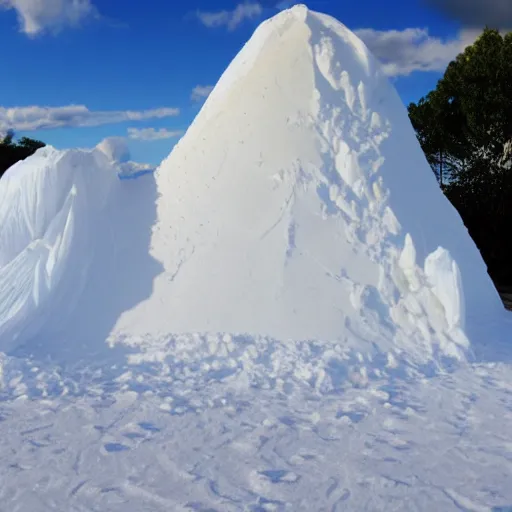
x,y
300,206
288,315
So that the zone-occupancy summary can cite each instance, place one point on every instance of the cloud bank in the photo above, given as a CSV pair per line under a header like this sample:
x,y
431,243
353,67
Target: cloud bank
x,y
42,118
152,133
403,52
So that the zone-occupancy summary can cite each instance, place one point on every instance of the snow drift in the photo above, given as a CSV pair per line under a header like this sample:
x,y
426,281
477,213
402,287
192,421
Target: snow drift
x,y
298,206
48,211
73,250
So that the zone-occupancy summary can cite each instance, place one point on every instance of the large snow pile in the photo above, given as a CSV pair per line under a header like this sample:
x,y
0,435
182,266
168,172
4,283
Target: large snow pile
x,y
298,206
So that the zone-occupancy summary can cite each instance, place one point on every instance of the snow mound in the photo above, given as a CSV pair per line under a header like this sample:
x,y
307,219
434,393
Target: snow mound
x,y
73,236
49,207
298,206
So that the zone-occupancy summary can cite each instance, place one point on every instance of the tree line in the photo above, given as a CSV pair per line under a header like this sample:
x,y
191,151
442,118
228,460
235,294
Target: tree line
x,y
12,152
464,127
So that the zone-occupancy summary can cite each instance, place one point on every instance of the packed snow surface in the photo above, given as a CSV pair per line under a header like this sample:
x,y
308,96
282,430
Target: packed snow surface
x,y
287,315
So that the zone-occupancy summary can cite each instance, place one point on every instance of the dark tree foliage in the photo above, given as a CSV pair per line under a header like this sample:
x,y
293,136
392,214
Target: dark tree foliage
x,y
12,152
465,129
435,122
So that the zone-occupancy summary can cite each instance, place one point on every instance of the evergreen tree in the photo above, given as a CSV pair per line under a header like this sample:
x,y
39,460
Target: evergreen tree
x,y
465,129
7,140
12,152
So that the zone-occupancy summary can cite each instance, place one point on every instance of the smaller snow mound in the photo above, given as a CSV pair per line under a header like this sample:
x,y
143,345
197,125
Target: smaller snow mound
x,y
48,212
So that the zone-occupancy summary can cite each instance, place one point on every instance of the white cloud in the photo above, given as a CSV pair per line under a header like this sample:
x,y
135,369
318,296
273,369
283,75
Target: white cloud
x,y
40,118
116,150
200,92
231,19
152,133
414,49
38,16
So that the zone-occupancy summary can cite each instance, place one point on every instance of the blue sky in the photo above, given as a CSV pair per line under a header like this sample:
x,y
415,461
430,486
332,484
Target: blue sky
x,y
77,71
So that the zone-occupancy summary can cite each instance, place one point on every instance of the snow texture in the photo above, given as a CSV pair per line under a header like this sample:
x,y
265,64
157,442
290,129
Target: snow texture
x,y
287,315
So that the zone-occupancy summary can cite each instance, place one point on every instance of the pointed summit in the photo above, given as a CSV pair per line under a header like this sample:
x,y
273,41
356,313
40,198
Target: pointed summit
x,y
300,11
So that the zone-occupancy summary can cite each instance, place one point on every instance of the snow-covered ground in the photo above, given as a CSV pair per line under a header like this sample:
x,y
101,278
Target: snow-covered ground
x,y
187,442
287,315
